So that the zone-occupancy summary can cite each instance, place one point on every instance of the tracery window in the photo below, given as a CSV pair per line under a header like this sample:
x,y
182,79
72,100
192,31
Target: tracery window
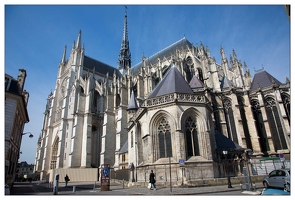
x,y
275,124
230,122
286,102
191,136
200,73
189,69
264,145
54,154
164,137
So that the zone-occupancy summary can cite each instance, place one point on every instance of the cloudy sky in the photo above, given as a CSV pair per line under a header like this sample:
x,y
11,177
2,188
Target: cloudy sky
x,y
35,37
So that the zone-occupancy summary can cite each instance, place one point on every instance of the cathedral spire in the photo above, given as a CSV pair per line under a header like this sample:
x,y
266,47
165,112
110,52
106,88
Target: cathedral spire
x,y
124,60
63,60
78,44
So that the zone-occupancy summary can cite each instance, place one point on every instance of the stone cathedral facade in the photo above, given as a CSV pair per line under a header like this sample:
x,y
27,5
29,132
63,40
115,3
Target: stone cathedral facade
x,y
178,106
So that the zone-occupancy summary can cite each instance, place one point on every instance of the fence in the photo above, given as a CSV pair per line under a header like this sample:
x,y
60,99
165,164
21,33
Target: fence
x,y
266,165
189,174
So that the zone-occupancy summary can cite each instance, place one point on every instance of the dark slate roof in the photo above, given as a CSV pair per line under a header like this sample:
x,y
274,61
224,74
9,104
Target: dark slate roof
x,y
172,82
90,63
14,87
224,143
263,79
132,104
196,83
225,83
124,148
183,43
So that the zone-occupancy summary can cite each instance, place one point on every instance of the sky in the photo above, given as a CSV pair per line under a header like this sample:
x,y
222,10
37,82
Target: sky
x,y
35,37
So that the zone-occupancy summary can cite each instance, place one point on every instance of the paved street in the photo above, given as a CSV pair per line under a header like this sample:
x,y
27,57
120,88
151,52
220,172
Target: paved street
x,y
35,188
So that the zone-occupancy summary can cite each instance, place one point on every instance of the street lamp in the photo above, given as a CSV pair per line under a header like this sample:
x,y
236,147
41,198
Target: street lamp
x,y
228,177
30,136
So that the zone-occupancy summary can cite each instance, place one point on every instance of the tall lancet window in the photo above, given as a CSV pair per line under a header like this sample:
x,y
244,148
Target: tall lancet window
x,y
164,136
189,69
191,136
200,73
286,102
259,122
230,121
54,153
275,124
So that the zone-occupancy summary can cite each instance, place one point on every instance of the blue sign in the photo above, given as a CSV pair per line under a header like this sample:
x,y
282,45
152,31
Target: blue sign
x,y
105,171
181,161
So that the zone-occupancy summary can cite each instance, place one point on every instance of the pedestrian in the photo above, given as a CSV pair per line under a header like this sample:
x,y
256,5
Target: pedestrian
x,y
67,179
152,180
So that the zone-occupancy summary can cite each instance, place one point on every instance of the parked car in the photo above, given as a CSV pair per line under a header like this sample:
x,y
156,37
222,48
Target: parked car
x,y
7,189
277,178
287,185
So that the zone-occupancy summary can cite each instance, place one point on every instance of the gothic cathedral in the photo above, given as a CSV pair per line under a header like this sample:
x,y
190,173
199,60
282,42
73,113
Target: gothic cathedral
x,y
177,107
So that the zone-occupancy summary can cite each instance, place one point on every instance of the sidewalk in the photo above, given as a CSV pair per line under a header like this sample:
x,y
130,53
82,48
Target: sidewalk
x,y
116,189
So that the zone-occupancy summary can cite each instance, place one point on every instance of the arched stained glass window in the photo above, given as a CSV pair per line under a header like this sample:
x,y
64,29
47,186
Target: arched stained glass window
x,y
191,135
164,136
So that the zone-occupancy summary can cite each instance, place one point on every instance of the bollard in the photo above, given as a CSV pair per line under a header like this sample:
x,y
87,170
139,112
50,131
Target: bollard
x,y
94,186
241,185
123,183
254,186
74,188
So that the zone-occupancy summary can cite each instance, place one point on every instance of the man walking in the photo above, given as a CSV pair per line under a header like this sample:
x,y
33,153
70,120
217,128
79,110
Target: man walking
x,y
152,180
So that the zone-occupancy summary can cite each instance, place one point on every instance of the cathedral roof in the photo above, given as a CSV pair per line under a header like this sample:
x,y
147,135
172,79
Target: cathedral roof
x,y
90,63
196,83
132,104
124,148
172,82
225,83
183,43
224,143
263,79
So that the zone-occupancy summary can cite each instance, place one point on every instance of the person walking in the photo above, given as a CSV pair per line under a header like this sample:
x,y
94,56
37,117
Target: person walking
x,y
152,180
67,179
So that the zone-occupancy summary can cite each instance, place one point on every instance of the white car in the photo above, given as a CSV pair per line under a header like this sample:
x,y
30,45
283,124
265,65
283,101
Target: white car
x,y
277,179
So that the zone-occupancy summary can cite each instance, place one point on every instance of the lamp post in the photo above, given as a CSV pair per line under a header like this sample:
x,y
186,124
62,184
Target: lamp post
x,y
30,136
228,177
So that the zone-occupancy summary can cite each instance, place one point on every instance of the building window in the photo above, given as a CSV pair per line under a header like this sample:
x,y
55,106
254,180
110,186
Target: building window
x,y
54,154
164,136
259,122
123,157
275,124
286,103
191,136
230,121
